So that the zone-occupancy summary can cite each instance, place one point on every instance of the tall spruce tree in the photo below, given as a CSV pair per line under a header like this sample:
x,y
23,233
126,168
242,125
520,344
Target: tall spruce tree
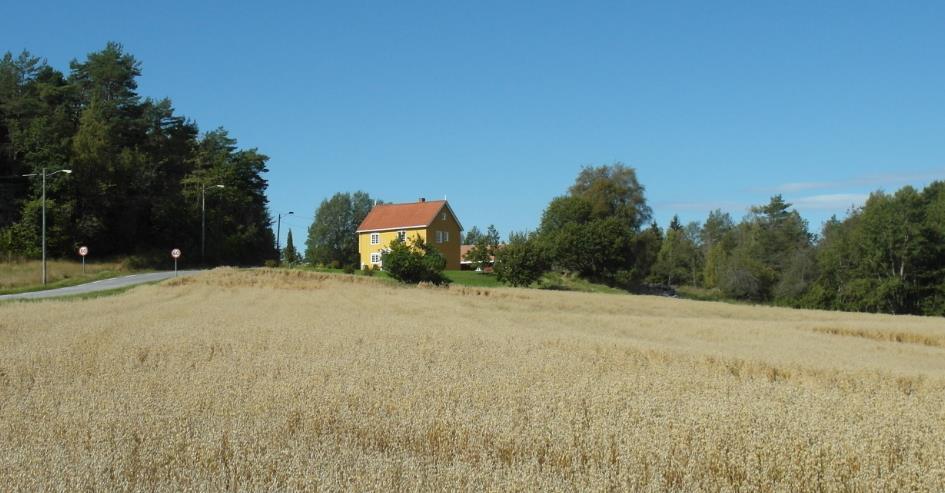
x,y
290,256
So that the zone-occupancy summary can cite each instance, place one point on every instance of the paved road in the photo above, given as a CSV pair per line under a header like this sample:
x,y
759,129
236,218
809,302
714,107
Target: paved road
x,y
101,285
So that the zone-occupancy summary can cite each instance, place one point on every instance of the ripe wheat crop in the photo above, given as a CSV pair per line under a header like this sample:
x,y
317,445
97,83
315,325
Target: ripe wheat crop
x,y
276,380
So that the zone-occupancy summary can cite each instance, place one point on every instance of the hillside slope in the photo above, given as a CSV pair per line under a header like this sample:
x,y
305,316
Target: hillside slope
x,y
284,379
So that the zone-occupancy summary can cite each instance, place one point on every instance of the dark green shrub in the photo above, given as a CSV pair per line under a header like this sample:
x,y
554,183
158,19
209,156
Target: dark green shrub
x,y
414,262
520,262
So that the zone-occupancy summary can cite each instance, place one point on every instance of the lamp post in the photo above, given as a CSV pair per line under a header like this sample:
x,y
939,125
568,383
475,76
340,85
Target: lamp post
x,y
44,174
203,218
279,233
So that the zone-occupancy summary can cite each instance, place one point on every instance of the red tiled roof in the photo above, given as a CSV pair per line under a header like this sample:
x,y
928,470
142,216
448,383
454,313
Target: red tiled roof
x,y
396,216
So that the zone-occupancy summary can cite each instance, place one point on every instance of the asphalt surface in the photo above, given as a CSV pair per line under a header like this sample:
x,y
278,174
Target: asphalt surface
x,y
100,285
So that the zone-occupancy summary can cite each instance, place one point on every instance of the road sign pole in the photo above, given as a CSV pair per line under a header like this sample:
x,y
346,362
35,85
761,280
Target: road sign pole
x,y
203,221
44,226
83,251
175,253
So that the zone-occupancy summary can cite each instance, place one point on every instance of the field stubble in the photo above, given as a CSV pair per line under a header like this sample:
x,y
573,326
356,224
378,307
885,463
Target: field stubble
x,y
293,380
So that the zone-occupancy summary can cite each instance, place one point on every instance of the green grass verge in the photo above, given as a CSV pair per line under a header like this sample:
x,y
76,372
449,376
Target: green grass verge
x,y
472,278
700,294
70,281
563,282
460,277
84,296
703,294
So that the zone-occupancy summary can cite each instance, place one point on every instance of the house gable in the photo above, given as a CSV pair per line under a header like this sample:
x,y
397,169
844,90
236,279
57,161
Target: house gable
x,y
388,217
434,222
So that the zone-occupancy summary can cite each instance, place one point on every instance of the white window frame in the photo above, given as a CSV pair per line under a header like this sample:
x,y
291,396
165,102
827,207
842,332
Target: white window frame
x,y
446,237
375,238
402,235
443,216
439,236
376,258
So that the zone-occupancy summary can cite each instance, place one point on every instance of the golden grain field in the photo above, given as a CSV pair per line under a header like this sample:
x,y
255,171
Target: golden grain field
x,y
284,380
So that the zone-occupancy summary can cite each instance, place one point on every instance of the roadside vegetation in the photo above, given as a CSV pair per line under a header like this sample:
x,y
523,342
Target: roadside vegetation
x,y
26,275
82,296
278,379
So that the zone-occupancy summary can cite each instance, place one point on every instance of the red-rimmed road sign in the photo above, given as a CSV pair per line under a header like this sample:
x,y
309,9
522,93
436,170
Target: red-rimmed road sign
x,y
83,251
175,253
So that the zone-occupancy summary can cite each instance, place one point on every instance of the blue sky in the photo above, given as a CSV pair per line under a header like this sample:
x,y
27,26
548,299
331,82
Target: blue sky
x,y
497,106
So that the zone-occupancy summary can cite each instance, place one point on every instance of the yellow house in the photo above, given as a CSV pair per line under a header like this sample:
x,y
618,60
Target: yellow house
x,y
433,221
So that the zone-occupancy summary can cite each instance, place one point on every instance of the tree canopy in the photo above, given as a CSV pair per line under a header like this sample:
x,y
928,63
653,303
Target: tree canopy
x,y
520,262
332,238
593,231
138,168
613,191
289,254
886,256
484,247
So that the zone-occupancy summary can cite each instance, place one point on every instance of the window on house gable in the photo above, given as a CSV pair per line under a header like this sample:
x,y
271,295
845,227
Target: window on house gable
x,y
375,238
439,237
443,217
375,258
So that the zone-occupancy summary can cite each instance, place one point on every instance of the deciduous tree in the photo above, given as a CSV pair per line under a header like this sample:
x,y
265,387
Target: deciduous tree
x,y
520,262
332,237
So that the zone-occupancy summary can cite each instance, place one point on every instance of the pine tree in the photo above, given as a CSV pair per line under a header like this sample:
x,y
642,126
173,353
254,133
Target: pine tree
x,y
138,169
472,236
290,256
675,225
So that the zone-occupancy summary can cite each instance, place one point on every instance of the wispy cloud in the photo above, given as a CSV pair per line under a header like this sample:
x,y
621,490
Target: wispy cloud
x,y
822,202
829,202
837,196
871,180
800,186
701,206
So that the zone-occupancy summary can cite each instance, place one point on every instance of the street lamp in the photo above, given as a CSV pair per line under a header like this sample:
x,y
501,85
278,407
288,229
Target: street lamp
x,y
279,233
44,174
203,218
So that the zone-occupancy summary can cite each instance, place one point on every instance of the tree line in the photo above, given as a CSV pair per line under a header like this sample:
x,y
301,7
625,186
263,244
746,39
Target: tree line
x,y
139,169
601,230
886,256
